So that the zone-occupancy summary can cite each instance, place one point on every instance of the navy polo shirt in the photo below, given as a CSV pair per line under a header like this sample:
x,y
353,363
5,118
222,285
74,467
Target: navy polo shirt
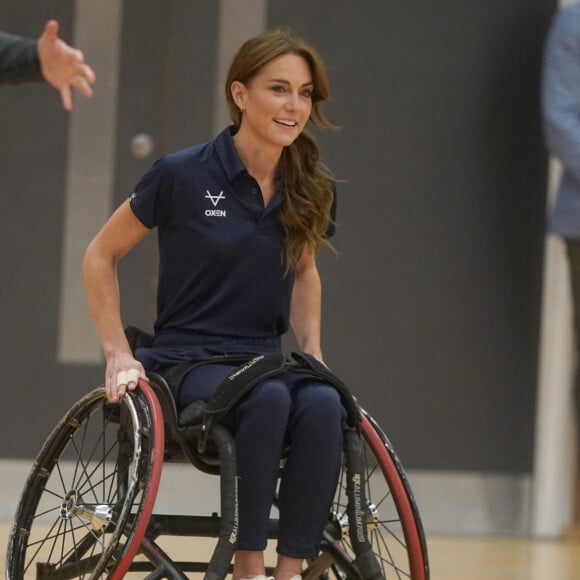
x,y
220,250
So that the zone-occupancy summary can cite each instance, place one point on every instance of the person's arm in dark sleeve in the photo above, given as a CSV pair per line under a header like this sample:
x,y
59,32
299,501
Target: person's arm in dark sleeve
x,y
19,60
50,59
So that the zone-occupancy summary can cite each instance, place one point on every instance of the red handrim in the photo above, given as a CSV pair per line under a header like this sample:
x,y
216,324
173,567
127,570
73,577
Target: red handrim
x,y
156,460
404,507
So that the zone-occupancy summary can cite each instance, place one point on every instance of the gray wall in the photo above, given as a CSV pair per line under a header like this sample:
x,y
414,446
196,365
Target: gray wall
x,y
33,155
432,307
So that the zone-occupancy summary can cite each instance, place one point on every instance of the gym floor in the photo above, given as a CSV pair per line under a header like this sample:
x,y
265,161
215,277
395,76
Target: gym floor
x,y
453,558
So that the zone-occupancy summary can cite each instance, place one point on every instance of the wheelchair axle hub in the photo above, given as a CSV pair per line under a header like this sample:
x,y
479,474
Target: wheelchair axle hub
x,y
372,520
99,516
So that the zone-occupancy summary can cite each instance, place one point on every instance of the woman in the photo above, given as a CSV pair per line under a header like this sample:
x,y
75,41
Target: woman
x,y
239,222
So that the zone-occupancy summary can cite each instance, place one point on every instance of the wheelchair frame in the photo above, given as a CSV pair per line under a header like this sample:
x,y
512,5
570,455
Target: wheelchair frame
x,y
92,520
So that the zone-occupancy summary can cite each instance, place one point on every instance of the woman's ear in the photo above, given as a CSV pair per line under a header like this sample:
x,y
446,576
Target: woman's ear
x,y
239,93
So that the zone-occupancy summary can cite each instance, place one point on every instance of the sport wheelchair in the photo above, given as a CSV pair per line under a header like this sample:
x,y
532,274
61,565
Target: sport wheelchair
x,y
86,510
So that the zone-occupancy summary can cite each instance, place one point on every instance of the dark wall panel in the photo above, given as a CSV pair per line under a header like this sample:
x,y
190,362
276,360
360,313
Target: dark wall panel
x,y
33,150
166,90
432,308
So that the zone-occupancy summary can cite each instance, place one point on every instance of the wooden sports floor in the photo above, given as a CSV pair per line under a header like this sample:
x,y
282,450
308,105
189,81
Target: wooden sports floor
x,y
464,558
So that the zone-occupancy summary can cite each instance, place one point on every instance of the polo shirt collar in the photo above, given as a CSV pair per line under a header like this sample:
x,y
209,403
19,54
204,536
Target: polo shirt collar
x,y
230,159
228,154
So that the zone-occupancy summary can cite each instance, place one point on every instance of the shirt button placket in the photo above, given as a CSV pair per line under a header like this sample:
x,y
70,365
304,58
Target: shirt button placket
x,y
255,190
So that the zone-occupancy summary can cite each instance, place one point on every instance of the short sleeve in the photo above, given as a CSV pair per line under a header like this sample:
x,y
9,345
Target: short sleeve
x,y
150,200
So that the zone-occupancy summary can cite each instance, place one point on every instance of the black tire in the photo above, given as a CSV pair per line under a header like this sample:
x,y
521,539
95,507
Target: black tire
x,y
83,500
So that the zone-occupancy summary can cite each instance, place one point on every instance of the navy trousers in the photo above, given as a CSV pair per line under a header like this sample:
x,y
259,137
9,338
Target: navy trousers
x,y
292,412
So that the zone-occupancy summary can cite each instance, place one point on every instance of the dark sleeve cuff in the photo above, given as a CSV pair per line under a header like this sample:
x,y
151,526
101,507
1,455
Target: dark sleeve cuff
x,y
19,62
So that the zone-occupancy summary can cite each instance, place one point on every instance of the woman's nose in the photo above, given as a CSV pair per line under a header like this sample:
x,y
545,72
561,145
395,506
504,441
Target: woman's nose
x,y
292,101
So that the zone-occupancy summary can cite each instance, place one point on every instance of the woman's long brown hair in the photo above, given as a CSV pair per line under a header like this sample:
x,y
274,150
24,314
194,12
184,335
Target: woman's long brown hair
x,y
305,211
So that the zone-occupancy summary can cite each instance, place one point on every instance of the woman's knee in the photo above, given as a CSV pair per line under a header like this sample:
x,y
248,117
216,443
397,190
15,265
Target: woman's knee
x,y
270,397
320,403
262,412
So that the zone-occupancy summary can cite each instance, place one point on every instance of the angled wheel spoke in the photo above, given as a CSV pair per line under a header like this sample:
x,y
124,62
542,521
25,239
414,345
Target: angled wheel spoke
x,y
92,487
41,543
47,511
393,535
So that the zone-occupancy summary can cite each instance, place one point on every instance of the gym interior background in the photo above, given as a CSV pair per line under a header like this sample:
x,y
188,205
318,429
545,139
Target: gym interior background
x,y
433,306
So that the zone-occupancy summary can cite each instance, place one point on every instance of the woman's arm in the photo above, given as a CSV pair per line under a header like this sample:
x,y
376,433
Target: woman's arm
x,y
306,306
121,233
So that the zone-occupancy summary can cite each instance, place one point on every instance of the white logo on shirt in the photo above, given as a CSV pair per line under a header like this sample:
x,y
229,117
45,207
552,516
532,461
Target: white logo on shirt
x,y
215,199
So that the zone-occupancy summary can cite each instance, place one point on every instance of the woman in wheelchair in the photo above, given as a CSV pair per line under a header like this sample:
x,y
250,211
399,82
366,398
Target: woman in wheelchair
x,y
239,221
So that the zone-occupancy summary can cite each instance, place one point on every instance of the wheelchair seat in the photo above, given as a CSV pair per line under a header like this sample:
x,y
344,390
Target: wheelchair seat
x,y
192,415
183,429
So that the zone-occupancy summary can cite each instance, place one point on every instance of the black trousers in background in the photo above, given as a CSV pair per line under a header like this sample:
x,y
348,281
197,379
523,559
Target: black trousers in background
x,y
573,250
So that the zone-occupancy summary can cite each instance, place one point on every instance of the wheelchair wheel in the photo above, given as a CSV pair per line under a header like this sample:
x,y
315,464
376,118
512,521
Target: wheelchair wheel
x,y
394,527
89,496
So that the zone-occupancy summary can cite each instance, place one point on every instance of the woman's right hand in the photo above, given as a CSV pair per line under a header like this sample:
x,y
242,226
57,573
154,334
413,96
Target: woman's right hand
x,y
122,374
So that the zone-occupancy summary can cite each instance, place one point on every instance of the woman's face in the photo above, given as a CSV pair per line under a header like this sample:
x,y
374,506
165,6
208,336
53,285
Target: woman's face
x,y
277,102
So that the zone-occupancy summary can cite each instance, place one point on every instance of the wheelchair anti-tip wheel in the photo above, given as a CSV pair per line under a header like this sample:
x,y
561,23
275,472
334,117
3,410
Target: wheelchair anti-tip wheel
x,y
88,498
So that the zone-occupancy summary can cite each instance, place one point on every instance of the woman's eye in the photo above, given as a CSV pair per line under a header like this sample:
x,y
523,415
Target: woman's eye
x,y
278,88
307,93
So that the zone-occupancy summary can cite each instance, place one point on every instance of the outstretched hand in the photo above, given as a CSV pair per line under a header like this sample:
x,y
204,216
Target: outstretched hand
x,y
63,66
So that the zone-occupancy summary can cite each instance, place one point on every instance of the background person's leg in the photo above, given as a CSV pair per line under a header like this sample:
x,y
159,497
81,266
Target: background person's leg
x,y
573,251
